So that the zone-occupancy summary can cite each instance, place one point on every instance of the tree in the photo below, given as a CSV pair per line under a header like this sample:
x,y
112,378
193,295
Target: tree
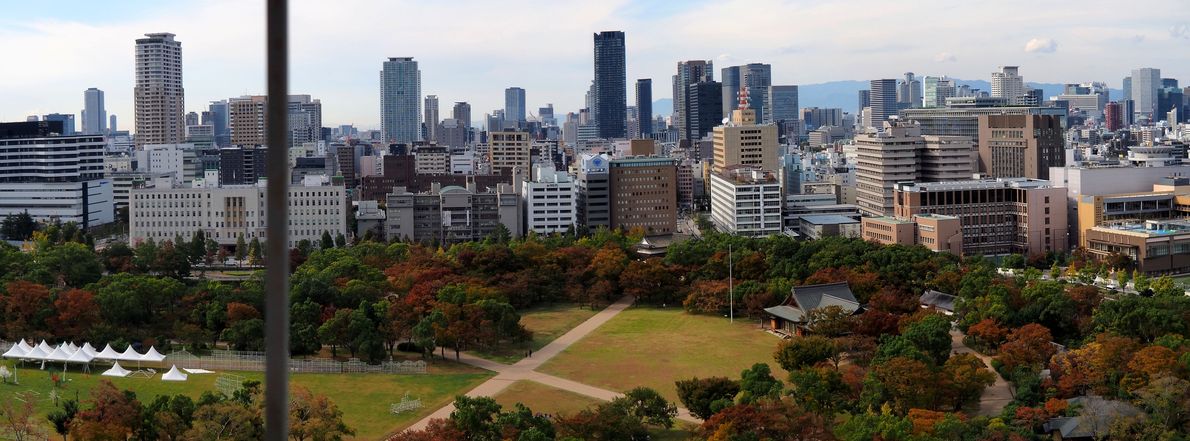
x,y
226,421
963,379
72,264
241,249
77,312
776,420
1165,286
18,227
26,306
757,383
1027,346
1167,400
254,252
326,242
61,418
110,415
17,420
800,352
340,240
903,379
931,335
705,396
650,281
647,405
315,417
830,321
334,331
987,334
819,389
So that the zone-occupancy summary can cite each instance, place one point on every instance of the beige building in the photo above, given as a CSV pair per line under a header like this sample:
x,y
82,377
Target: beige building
x,y
743,142
159,96
1021,146
431,160
946,158
507,150
643,147
936,232
998,216
884,158
246,119
1157,247
644,194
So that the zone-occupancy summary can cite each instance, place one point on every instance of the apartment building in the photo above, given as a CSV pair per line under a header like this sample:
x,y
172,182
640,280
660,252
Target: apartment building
x,y
451,214
643,194
746,201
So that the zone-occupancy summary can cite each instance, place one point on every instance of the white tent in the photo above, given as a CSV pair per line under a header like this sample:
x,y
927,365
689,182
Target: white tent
x,y
90,350
129,355
116,371
35,354
59,354
25,346
107,353
15,352
70,347
80,356
174,375
152,355
45,347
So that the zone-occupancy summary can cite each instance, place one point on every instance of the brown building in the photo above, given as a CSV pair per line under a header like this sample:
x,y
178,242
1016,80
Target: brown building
x,y
998,216
743,142
508,150
936,232
246,120
1020,146
401,171
644,194
642,147
1157,247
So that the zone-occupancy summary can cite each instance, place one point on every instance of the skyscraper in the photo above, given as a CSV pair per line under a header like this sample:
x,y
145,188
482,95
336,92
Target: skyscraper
x,y
1146,82
159,96
462,113
909,92
305,119
757,77
247,120
611,86
781,108
514,106
400,100
644,106
220,117
863,99
883,101
704,109
936,90
1008,84
431,117
689,72
94,113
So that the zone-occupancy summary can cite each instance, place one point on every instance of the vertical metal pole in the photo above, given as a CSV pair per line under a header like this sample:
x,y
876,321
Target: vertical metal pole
x,y
276,385
730,287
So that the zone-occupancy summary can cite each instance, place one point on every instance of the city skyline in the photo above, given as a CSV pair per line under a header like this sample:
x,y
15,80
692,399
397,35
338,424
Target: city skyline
x,y
91,46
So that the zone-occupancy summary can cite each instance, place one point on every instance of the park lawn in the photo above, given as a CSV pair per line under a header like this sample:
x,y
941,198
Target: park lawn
x,y
1183,280
547,323
543,399
655,347
363,398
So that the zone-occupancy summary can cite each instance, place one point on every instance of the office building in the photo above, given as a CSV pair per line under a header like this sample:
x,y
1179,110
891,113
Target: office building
x,y
644,106
814,117
939,233
863,99
431,160
643,194
962,117
430,119
1145,86
305,120
781,108
221,122
180,161
191,119
1089,98
744,142
945,158
818,226
94,112
549,201
610,86
756,77
67,121
703,109
1113,116
885,158
746,201
509,151
400,100
53,177
451,214
998,216
241,165
883,98
462,113
1020,146
514,106
936,90
123,182
230,212
1008,84
159,96
909,92
690,72
594,191
246,120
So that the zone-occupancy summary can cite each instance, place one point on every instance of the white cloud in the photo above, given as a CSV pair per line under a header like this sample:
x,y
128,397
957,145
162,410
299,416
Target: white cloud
x,y
1041,45
945,57
1180,30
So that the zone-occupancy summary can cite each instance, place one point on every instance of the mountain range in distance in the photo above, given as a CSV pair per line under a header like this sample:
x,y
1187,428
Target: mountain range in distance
x,y
845,94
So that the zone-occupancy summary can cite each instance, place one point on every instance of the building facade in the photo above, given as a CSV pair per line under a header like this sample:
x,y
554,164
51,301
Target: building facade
x,y
451,214
53,177
400,100
746,201
644,107
594,191
1020,146
159,97
611,87
744,142
549,201
509,150
94,112
643,194
689,72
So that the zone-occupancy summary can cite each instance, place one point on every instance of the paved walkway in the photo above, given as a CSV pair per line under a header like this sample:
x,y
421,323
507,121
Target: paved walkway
x,y
526,368
994,398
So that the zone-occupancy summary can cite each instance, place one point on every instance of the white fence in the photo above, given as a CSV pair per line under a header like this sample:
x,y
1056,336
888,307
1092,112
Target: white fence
x,y
254,361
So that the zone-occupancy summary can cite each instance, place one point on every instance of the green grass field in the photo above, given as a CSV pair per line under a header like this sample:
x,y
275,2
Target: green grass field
x,y
655,347
363,398
546,323
1184,281
543,399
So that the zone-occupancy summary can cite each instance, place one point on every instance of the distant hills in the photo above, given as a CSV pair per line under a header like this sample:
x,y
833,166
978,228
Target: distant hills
x,y
844,94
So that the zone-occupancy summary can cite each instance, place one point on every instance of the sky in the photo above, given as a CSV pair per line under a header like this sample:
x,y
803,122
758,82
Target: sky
x,y
472,50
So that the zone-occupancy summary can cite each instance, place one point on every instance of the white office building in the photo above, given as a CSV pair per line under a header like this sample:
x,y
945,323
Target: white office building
x,y
1008,84
52,177
746,201
549,201
227,213
180,160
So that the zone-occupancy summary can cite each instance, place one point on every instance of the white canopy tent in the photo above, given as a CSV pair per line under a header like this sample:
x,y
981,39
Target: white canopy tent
x,y
80,356
45,347
152,355
90,350
59,354
107,353
70,347
174,375
15,352
116,371
24,346
129,355
35,354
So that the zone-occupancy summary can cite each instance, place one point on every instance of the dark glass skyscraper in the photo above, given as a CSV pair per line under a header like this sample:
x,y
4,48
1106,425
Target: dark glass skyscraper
x,y
611,85
644,106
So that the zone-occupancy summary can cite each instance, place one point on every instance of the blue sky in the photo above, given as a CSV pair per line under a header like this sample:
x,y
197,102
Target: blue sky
x,y
470,50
